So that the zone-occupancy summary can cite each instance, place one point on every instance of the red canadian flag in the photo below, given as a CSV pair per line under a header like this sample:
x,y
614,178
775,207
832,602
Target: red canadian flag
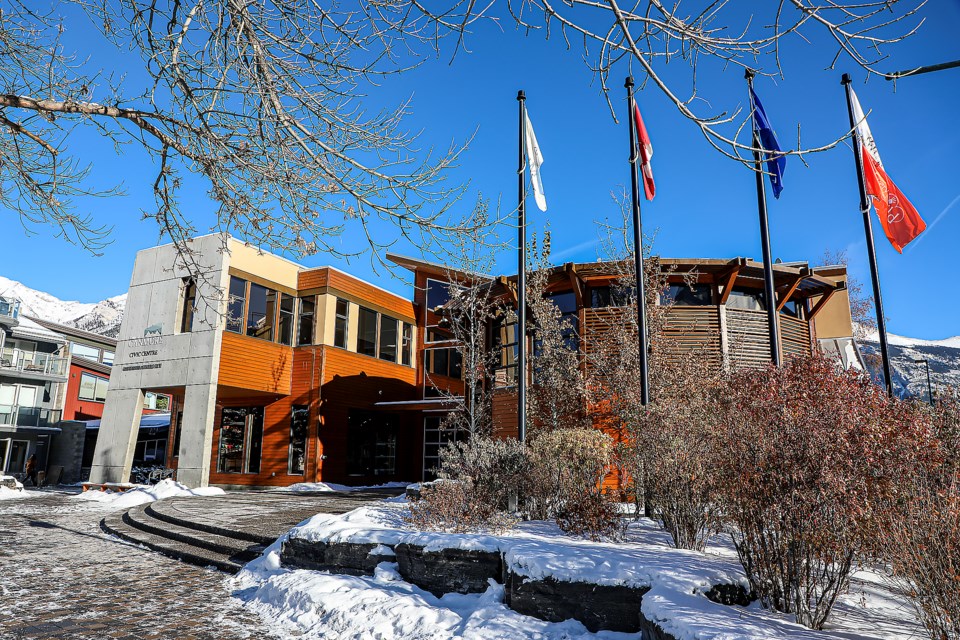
x,y
900,220
645,149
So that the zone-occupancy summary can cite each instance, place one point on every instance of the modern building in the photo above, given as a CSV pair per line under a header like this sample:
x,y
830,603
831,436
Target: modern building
x,y
280,373
33,381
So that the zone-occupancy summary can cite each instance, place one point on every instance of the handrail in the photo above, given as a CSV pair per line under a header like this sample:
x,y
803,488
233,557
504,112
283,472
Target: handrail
x,y
33,362
21,416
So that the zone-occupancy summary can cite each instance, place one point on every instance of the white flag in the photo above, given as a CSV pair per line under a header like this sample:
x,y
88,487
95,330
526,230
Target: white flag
x,y
534,159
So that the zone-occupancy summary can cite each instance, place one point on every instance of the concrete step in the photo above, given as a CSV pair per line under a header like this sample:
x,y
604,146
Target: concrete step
x,y
142,518
199,519
118,525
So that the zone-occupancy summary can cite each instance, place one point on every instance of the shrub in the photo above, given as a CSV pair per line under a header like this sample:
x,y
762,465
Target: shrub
x,y
922,537
477,478
809,458
566,468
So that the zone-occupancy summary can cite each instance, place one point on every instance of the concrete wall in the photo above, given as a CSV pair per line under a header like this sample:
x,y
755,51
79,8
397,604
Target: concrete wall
x,y
152,353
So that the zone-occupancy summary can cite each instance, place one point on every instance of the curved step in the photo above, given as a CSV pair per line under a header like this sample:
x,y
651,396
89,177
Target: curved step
x,y
239,550
116,525
162,510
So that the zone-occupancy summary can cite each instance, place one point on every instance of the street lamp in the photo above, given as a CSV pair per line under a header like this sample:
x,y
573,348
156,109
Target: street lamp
x,y
929,387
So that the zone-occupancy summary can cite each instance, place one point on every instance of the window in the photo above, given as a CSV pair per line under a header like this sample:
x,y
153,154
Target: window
x,y
149,400
505,338
340,324
371,444
792,308
93,387
261,307
150,451
742,298
108,357
367,332
435,438
241,440
308,309
388,338
235,304
299,424
406,350
616,295
687,295
438,294
85,351
177,433
285,327
444,361
188,304
566,302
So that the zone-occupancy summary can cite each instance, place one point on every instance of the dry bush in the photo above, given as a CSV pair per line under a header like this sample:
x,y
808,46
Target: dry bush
x,y
809,458
564,479
457,507
922,539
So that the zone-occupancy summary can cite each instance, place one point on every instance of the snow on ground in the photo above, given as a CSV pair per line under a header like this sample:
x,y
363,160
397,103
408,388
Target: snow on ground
x,y
145,493
322,605
329,486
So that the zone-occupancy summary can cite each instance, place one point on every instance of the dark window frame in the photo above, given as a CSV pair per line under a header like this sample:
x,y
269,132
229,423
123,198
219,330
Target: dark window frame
x,y
341,324
365,315
285,319
371,441
236,319
302,412
188,301
306,319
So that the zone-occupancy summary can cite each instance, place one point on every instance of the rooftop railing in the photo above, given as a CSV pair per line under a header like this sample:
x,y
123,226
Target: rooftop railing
x,y
33,362
9,309
20,416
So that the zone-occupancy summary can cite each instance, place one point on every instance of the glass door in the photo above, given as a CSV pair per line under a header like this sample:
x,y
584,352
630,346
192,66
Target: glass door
x,y
28,414
17,459
241,440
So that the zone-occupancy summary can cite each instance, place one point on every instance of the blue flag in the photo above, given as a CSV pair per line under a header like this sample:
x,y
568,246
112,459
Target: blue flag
x,y
769,143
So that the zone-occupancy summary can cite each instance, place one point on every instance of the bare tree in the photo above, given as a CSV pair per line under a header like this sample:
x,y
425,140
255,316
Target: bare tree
x,y
263,99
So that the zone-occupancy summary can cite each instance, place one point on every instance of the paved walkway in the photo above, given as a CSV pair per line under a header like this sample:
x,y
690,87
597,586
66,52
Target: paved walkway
x,y
62,577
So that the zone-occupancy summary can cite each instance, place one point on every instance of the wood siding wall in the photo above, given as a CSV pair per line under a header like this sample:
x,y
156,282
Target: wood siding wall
x,y
255,365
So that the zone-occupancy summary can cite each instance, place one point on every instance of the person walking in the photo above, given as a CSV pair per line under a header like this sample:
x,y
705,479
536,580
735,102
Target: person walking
x,y
31,469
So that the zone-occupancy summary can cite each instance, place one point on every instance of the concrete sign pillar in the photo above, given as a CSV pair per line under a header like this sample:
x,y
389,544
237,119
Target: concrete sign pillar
x,y
118,436
196,434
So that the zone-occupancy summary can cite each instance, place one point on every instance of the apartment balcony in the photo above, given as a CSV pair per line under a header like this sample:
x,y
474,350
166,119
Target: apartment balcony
x,y
13,415
9,311
31,364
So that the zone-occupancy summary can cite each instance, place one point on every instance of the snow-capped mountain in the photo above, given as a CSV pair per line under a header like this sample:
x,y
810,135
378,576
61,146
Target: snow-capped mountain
x,y
909,376
98,317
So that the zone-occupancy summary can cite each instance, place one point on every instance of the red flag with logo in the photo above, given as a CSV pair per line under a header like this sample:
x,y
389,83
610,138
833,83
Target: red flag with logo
x,y
899,218
645,150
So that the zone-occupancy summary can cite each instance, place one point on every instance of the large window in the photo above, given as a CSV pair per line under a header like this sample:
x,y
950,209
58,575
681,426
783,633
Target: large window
x,y
615,295
241,440
188,302
85,351
371,444
285,328
505,338
235,304
261,308
438,294
340,325
687,295
435,438
367,332
444,361
308,309
150,451
388,338
566,302
93,387
743,298
406,350
299,426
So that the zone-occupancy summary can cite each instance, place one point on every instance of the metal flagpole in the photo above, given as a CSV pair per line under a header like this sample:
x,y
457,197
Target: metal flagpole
x,y
868,229
522,278
638,248
770,298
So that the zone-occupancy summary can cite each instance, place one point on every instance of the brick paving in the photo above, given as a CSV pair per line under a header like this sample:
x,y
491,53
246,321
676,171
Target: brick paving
x,y
62,577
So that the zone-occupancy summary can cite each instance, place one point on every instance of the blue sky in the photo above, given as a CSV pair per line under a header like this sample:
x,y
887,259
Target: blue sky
x,y
705,204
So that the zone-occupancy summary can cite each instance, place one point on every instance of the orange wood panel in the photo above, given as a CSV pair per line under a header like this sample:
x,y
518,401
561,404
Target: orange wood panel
x,y
312,278
258,365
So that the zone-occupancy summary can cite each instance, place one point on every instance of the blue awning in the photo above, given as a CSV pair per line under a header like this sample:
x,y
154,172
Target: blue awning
x,y
147,421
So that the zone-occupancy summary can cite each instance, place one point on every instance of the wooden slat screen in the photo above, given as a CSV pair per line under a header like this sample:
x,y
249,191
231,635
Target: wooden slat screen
x,y
749,338
694,330
794,336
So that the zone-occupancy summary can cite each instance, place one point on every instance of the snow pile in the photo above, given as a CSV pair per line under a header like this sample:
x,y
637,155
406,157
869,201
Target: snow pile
x,y
8,493
303,487
143,494
317,604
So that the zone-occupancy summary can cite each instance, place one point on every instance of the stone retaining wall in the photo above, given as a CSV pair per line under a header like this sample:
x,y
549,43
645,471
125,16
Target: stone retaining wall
x,y
597,607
